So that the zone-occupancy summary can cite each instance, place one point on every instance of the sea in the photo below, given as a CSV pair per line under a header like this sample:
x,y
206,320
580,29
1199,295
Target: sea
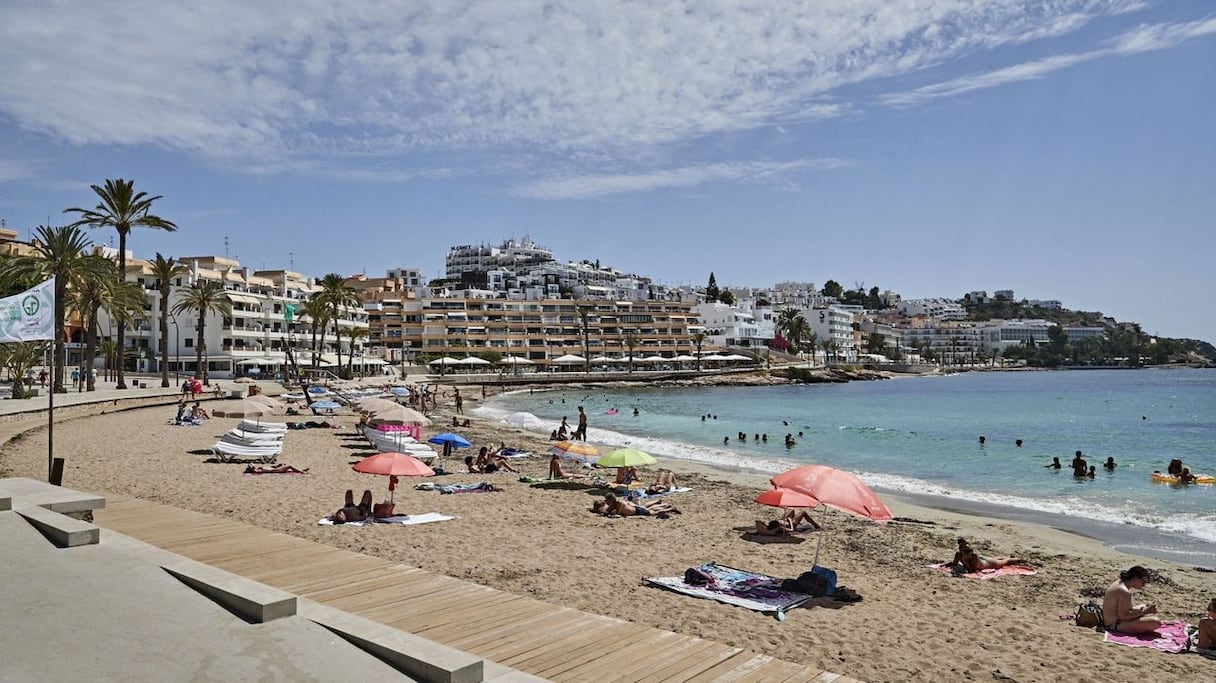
x,y
917,438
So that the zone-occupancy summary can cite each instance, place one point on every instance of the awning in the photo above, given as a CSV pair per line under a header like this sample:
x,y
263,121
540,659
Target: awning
x,y
243,298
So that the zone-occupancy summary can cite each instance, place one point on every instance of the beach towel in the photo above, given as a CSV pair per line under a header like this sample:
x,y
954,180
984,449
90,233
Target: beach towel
x,y
1169,637
424,518
989,574
757,592
641,494
479,487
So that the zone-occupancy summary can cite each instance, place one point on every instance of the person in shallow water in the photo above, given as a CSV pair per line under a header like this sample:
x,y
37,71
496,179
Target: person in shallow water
x,y
1055,464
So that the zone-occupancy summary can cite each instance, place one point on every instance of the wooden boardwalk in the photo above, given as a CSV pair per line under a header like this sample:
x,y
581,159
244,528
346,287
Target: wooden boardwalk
x,y
540,638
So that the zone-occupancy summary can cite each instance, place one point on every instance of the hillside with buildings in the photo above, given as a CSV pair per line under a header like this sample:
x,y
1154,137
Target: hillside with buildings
x,y
516,307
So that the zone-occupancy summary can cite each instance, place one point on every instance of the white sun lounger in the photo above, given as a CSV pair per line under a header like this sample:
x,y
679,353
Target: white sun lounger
x,y
262,427
230,452
251,442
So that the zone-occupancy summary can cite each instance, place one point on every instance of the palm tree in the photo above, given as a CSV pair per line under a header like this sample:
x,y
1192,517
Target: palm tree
x,y
86,297
59,252
799,331
317,312
124,302
121,208
631,340
19,359
202,297
337,294
164,270
355,334
698,339
785,320
812,340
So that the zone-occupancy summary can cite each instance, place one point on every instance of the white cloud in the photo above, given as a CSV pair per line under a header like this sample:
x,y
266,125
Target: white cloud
x,y
318,85
1143,39
11,169
602,185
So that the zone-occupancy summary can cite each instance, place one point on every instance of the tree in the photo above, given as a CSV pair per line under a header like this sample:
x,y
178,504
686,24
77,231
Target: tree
x,y
355,334
337,294
18,359
86,297
201,298
711,289
698,339
58,252
121,208
876,342
165,270
631,341
812,340
833,289
317,312
798,332
727,297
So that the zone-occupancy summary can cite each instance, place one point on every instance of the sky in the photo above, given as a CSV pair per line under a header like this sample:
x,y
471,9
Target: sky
x,y
1063,149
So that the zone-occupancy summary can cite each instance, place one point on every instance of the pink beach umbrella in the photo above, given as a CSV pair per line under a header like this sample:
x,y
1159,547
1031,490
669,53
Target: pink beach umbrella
x,y
393,465
786,498
836,489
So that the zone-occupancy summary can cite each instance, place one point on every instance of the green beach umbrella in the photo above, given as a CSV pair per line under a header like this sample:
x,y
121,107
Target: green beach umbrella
x,y
626,457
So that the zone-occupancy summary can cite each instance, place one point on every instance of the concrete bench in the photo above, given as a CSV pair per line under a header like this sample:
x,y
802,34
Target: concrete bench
x,y
253,601
6,500
64,531
411,654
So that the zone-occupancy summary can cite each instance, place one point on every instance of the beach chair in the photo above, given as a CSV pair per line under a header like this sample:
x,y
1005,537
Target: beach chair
x,y
252,439
262,427
230,452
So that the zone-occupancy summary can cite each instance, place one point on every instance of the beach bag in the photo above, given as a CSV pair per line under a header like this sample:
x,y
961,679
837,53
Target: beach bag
x,y
819,581
696,577
1089,615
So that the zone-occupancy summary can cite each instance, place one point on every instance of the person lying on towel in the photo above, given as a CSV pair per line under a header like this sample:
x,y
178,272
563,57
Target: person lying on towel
x,y
612,506
354,513
969,561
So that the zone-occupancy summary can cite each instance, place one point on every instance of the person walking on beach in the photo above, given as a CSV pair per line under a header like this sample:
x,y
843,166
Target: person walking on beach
x,y
459,403
1120,615
581,432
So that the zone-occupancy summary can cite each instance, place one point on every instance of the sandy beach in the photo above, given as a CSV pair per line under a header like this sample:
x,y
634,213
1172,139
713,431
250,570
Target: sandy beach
x,y
914,623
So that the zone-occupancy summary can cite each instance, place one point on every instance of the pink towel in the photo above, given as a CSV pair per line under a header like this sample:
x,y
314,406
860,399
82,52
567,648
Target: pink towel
x,y
989,574
1169,637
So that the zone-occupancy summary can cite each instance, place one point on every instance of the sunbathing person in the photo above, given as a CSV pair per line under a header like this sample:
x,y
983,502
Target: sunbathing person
x,y
665,482
354,513
626,475
1120,614
970,561
489,463
1206,631
556,471
774,527
275,469
795,516
613,506
198,413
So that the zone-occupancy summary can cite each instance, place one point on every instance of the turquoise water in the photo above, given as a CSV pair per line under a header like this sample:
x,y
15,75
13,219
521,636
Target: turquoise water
x,y
920,436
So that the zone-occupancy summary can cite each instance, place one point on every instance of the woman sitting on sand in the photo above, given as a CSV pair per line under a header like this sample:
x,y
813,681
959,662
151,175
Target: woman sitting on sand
x,y
612,506
354,513
626,475
1117,609
1206,631
556,471
969,561
488,462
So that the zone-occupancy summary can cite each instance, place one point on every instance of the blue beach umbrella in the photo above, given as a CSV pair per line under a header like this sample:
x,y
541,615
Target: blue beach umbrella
x,y
456,440
326,405
318,390
399,391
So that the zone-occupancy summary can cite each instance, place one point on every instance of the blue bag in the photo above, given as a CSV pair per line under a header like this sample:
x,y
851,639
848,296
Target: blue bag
x,y
819,581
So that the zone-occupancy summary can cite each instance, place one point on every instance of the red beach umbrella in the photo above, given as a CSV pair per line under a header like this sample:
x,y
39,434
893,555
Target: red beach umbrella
x,y
393,465
835,489
786,498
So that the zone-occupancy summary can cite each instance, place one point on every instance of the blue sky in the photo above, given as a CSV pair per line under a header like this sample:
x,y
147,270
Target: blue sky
x,y
1062,149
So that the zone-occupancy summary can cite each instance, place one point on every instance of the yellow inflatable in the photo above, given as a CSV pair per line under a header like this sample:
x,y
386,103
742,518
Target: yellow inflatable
x,y
1162,478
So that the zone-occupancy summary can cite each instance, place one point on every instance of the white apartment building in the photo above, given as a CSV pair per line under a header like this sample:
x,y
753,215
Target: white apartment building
x,y
942,309
474,258
834,324
255,338
732,326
